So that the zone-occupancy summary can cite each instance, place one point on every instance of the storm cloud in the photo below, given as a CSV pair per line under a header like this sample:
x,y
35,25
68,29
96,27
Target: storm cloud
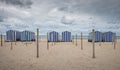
x,y
20,3
60,15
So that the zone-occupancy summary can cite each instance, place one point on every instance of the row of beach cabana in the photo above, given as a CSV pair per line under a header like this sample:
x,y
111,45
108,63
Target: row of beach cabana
x,y
54,37
14,35
102,37
66,36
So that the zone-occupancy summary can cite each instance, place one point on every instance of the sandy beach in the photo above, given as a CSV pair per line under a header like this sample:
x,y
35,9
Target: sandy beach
x,y
60,56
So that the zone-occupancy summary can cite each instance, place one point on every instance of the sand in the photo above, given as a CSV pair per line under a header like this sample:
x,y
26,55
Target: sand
x,y
60,56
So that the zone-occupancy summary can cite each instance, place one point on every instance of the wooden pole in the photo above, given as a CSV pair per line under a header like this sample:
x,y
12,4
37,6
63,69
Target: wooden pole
x,y
1,40
114,40
76,39
15,38
26,42
11,45
93,41
15,42
100,39
52,40
81,42
73,39
37,43
52,43
47,42
12,41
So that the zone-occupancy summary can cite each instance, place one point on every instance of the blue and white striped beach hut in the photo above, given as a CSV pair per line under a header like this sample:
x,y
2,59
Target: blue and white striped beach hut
x,y
10,34
108,36
53,36
97,36
24,36
90,37
13,35
32,36
27,36
18,36
66,36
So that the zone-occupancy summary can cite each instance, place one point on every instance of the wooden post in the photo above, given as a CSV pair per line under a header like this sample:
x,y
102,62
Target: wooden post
x,y
114,40
47,42
76,39
52,43
37,43
12,41
73,39
93,41
15,42
15,38
26,42
1,41
100,40
11,45
81,42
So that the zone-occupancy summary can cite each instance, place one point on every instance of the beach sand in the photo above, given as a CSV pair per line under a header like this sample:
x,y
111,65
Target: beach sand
x,y
60,56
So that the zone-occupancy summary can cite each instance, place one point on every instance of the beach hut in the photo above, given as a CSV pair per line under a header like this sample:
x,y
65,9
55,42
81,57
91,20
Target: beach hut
x,y
53,36
18,36
13,35
10,34
24,35
32,36
108,36
27,36
97,37
66,36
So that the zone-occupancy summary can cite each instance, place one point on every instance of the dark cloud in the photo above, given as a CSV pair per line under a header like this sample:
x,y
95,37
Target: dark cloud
x,y
96,7
1,19
20,3
97,14
114,27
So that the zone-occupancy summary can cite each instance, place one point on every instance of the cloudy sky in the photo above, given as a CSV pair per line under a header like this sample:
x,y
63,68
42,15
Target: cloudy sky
x,y
60,15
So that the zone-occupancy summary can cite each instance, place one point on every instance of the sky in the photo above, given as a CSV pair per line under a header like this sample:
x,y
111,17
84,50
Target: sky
x,y
60,15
